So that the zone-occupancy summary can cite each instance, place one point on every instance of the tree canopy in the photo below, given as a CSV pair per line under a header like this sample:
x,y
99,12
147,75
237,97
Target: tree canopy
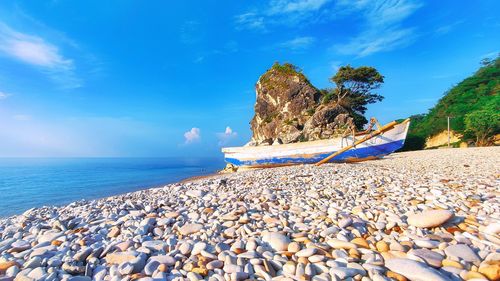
x,y
482,124
354,90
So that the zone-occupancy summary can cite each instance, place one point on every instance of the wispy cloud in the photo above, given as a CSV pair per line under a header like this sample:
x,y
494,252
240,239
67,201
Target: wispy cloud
x,y
250,20
37,52
295,6
192,136
4,95
298,43
190,32
226,136
279,12
447,28
382,21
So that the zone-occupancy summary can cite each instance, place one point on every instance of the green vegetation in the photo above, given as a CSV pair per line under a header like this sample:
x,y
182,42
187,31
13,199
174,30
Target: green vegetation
x,y
354,90
473,104
269,118
272,81
482,124
310,111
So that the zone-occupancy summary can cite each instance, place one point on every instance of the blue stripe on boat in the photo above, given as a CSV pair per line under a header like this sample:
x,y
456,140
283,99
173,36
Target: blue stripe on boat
x,y
377,151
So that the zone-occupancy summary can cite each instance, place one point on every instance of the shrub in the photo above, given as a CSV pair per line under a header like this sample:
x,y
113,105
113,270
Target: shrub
x,y
482,124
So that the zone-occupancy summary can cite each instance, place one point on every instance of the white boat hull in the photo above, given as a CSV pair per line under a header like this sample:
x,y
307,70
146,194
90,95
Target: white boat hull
x,y
314,151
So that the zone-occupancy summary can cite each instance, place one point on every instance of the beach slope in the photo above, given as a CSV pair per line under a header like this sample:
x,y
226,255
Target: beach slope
x,y
425,215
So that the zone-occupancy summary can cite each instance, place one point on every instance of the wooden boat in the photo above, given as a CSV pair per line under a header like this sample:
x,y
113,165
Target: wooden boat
x,y
373,145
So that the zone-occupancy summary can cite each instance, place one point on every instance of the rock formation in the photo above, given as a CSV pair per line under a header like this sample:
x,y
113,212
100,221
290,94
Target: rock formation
x,y
289,109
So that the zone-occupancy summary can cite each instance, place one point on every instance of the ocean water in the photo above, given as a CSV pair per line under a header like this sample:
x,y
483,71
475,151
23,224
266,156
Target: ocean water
x,y
34,182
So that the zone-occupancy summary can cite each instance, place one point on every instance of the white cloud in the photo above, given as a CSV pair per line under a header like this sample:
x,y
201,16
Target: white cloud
x,y
4,95
372,42
295,6
447,28
37,52
298,43
280,12
226,136
251,21
382,21
192,135
31,49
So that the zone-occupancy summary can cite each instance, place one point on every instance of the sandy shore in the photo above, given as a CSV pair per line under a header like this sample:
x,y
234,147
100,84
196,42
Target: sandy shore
x,y
426,215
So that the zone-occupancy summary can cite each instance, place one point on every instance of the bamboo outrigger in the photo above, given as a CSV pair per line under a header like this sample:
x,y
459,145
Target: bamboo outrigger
x,y
380,130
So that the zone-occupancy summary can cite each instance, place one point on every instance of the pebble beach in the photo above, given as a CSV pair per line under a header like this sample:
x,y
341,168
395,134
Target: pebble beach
x,y
424,215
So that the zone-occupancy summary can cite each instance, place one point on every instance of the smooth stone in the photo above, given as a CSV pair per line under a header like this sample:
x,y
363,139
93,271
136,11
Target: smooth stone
x,y
12,271
214,264
198,247
164,259
491,271
230,268
49,236
20,246
190,228
37,273
139,262
430,257
277,241
156,245
289,268
195,193
249,255
343,223
114,231
126,268
293,247
341,244
425,243
344,272
151,266
185,248
306,252
382,246
79,278
239,276
33,262
414,270
429,218
463,252
120,257
83,254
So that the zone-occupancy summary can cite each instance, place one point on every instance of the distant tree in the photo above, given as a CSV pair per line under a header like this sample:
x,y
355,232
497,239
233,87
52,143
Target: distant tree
x,y
483,124
354,90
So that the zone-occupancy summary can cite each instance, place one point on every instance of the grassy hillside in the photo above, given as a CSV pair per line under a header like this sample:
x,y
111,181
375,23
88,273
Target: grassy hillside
x,y
479,93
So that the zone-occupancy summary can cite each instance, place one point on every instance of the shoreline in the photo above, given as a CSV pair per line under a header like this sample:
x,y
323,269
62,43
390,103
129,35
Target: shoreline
x,y
428,213
113,194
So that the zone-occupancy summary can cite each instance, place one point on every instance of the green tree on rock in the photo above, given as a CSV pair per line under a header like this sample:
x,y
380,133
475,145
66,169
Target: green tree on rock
x,y
354,90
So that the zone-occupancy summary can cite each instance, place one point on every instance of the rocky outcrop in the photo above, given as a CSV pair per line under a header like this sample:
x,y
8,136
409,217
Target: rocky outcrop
x,y
288,109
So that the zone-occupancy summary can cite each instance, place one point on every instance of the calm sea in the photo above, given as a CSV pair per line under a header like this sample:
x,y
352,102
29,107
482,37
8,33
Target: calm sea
x,y
35,182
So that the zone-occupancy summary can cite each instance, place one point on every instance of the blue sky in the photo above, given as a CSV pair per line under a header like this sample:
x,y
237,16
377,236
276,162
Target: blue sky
x,y
176,78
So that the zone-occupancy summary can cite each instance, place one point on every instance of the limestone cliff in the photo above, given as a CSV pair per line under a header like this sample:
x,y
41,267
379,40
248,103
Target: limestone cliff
x,y
289,109
441,139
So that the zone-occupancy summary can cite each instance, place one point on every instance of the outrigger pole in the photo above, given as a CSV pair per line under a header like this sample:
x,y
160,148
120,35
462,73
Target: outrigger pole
x,y
381,130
